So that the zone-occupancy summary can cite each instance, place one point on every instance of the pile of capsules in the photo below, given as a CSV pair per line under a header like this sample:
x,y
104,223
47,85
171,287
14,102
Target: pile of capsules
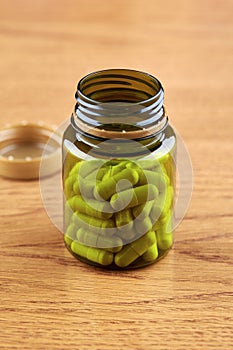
x,y
118,213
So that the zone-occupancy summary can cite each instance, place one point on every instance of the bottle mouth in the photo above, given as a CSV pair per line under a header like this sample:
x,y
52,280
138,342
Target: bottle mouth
x,y
119,103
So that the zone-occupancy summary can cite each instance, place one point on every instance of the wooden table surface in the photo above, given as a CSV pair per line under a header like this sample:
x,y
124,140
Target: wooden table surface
x,y
48,299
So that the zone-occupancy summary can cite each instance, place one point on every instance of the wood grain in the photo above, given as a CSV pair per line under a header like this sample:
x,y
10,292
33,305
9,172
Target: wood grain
x,y
48,299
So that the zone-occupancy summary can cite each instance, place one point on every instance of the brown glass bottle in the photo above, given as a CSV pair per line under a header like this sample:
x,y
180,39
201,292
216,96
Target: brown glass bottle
x,y
119,171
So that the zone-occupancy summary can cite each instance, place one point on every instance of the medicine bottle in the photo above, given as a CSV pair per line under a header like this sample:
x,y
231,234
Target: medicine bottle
x,y
119,171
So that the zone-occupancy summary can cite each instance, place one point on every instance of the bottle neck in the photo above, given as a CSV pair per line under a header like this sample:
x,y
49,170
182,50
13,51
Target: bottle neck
x,y
119,103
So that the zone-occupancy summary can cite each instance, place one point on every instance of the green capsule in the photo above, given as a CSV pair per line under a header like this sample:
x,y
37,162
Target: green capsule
x,y
156,210
70,234
111,244
162,181
161,206
165,174
89,166
96,255
143,243
107,188
152,252
145,176
162,220
87,238
94,224
168,200
153,164
163,158
131,165
156,225
96,175
92,207
169,166
67,240
75,169
84,187
107,174
76,187
165,240
127,234
90,174
124,223
142,211
71,231
167,219
68,212
100,173
134,250
124,218
143,226
68,186
133,197
164,233
159,179
119,167
168,224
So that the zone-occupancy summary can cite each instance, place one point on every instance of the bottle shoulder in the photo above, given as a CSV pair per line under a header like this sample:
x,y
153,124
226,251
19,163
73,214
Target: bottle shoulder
x,y
159,144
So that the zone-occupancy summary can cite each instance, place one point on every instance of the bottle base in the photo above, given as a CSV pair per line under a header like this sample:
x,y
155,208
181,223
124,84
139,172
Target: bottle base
x,y
137,264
